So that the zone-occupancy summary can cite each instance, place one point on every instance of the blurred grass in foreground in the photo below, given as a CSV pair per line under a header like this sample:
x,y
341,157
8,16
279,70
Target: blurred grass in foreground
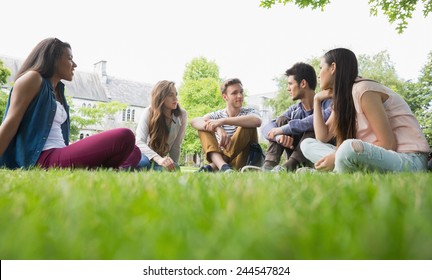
x,y
60,214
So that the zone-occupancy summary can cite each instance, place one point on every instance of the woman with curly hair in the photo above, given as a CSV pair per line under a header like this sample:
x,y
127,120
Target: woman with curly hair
x,y
161,129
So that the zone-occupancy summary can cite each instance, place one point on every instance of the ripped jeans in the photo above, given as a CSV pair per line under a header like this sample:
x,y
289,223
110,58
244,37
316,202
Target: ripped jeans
x,y
356,155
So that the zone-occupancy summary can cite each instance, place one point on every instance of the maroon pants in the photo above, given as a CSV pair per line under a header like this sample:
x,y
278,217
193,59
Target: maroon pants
x,y
113,148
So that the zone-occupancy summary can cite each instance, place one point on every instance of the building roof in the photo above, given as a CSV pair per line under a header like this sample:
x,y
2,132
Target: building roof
x,y
130,92
86,86
96,86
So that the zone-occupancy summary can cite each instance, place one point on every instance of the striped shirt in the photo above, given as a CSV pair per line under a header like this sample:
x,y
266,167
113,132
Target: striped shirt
x,y
231,129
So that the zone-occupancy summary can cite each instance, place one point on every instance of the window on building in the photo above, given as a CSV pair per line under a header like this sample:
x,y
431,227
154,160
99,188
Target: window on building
x,y
124,115
133,115
84,105
128,116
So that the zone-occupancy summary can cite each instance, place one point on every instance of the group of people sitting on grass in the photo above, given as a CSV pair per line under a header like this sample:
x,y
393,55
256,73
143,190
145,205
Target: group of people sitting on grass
x,y
352,124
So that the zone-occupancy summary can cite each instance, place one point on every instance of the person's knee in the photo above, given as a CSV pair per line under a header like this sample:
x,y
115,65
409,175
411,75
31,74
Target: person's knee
x,y
306,143
281,120
351,146
245,134
307,147
347,153
126,135
207,137
242,130
357,146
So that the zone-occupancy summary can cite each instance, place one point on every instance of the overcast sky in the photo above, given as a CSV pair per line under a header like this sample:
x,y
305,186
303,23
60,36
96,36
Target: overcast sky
x,y
149,41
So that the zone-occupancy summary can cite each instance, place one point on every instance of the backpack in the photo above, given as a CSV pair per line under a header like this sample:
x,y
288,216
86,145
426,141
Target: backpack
x,y
256,155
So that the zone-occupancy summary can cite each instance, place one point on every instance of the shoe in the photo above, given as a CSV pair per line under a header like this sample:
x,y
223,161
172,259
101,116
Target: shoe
x,y
205,168
306,170
268,165
226,168
278,169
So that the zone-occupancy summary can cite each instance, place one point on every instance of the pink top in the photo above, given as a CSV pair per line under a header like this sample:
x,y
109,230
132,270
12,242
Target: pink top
x,y
409,136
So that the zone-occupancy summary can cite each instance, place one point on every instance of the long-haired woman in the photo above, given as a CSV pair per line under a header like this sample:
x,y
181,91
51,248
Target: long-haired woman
x,y
36,125
161,129
374,127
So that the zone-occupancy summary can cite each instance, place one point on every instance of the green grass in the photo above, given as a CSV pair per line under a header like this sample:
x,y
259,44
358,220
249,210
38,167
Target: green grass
x,y
61,214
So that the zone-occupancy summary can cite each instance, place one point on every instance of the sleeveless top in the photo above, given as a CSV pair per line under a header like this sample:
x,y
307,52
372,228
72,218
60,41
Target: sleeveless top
x,y
55,137
405,127
27,144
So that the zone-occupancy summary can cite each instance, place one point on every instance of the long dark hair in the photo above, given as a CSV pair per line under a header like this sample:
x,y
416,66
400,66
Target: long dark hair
x,y
158,129
43,57
343,103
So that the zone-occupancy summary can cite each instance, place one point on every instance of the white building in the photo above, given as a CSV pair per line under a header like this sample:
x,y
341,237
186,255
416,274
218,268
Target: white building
x,y
258,101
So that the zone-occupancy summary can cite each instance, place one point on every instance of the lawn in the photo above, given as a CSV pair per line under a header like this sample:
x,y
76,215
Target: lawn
x,y
60,214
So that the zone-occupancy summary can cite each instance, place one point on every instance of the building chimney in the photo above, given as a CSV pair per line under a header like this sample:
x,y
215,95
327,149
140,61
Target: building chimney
x,y
100,69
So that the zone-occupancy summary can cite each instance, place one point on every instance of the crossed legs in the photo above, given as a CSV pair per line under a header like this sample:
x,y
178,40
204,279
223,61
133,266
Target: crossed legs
x,y
236,154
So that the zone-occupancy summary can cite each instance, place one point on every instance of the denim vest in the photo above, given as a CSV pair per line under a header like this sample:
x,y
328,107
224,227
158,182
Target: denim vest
x,y
26,146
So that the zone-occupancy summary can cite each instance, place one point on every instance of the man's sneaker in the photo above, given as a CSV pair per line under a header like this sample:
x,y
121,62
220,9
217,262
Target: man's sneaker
x,y
226,168
278,169
268,165
206,168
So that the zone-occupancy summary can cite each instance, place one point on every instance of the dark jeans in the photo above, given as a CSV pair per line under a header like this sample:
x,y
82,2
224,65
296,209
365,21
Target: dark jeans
x,y
295,157
146,164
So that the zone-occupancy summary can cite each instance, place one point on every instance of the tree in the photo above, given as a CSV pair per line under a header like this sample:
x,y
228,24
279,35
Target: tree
x,y
199,94
3,101
396,11
283,100
380,68
85,117
4,74
419,97
200,68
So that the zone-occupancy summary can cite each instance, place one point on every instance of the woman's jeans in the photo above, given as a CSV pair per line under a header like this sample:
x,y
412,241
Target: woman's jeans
x,y
146,164
356,155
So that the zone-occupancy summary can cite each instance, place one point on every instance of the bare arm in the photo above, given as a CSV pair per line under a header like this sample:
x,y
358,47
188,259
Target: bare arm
x,y
24,91
322,128
199,123
373,109
205,123
247,121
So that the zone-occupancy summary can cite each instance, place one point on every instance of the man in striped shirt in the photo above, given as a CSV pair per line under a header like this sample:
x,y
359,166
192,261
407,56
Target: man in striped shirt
x,y
227,134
